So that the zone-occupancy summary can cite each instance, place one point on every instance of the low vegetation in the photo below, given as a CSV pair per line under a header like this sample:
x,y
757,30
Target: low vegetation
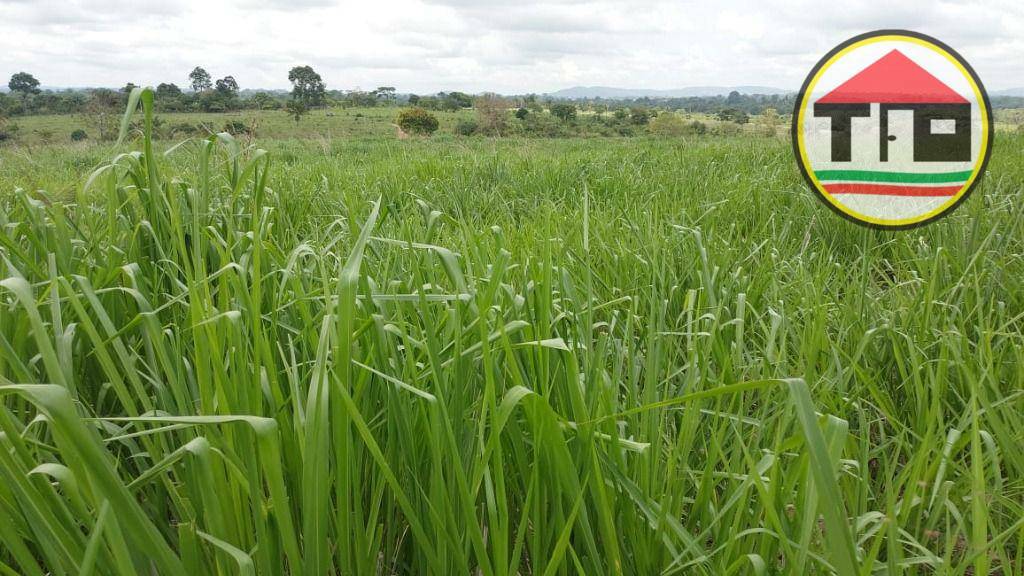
x,y
554,356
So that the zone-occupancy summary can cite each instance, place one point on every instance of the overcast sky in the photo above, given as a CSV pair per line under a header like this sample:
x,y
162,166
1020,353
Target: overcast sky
x,y
508,46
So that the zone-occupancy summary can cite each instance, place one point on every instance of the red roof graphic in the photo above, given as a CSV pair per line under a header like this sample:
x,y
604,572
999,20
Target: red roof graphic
x,y
893,79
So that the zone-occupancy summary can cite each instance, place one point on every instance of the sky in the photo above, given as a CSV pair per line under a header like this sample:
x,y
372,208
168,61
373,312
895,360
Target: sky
x,y
508,46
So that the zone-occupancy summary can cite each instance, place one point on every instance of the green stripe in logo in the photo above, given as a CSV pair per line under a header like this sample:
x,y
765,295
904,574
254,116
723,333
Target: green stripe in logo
x,y
901,177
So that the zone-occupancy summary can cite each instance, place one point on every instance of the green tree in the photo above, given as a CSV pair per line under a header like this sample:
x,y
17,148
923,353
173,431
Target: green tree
x,y
24,84
264,101
417,121
564,111
307,86
227,87
386,93
165,90
200,80
639,116
296,109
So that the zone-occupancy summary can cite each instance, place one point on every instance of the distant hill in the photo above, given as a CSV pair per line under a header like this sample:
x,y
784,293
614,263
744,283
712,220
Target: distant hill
x,y
1008,92
692,91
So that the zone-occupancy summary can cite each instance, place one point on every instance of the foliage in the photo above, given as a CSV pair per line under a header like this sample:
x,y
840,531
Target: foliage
x,y
491,114
639,116
668,124
307,86
564,111
417,121
296,109
227,87
200,80
239,128
24,84
466,127
79,135
594,357
522,113
733,115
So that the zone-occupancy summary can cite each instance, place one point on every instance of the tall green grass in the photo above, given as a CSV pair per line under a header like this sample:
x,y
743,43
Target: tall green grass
x,y
569,357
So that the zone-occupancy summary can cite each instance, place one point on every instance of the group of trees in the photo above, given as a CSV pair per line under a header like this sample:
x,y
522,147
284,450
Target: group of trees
x,y
203,94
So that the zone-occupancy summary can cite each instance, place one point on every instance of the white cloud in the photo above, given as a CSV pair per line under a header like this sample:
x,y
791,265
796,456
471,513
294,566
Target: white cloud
x,y
512,47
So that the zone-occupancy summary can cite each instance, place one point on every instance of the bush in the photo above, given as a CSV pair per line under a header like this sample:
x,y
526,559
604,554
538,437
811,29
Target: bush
x,y
639,116
417,121
668,124
522,113
697,127
79,135
238,128
465,127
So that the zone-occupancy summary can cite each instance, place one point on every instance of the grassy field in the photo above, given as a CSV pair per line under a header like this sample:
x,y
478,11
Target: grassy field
x,y
497,357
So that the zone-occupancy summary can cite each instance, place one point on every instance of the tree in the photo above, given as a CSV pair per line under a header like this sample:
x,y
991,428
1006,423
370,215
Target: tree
x,y
24,83
490,114
264,101
128,88
385,93
307,86
639,116
456,100
413,99
417,121
564,111
165,90
227,87
522,113
296,109
102,111
733,115
200,80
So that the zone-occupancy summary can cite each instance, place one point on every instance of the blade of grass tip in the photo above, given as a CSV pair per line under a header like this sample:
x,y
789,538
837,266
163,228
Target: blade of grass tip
x,y
126,120
244,561
837,529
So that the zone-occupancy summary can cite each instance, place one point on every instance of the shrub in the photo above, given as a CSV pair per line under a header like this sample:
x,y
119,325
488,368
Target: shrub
x,y
697,127
238,128
417,121
79,135
465,127
668,124
639,116
522,113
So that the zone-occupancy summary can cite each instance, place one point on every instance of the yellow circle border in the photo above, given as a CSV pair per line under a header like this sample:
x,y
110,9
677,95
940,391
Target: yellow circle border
x,y
933,44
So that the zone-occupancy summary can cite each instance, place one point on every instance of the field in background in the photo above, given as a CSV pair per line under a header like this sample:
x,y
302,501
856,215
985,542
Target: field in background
x,y
500,356
335,123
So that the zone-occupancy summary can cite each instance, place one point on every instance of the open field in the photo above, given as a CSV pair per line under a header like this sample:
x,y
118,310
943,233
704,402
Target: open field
x,y
500,356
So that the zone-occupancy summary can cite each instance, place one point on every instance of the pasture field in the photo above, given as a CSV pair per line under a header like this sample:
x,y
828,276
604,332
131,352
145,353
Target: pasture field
x,y
500,356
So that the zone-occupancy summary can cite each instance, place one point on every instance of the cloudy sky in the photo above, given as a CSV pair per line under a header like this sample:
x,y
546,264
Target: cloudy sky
x,y
509,46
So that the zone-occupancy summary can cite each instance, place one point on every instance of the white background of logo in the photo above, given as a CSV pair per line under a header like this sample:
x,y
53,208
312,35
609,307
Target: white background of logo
x,y
865,131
